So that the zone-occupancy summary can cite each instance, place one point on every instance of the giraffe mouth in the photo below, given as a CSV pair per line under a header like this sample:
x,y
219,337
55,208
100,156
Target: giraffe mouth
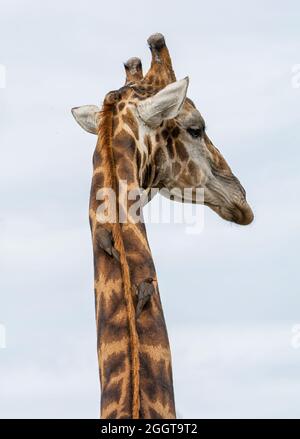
x,y
229,201
241,214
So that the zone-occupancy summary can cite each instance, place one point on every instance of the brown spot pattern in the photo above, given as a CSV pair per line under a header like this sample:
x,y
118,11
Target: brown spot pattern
x,y
131,122
113,334
181,151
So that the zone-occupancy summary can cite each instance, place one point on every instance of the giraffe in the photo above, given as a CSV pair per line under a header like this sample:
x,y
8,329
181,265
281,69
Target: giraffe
x,y
150,135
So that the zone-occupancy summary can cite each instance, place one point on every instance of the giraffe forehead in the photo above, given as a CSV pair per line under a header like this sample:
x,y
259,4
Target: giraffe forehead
x,y
190,117
127,97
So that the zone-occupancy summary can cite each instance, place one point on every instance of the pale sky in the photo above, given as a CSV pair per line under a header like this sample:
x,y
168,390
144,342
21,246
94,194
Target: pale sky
x,y
231,294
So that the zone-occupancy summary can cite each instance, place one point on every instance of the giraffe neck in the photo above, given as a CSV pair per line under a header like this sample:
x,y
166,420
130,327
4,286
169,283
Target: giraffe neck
x,y
134,355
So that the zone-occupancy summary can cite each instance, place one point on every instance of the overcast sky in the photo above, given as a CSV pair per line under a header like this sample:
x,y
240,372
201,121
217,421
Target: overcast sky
x,y
231,294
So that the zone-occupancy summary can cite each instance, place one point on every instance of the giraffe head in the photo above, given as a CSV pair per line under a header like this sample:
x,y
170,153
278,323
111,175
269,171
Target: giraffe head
x,y
172,150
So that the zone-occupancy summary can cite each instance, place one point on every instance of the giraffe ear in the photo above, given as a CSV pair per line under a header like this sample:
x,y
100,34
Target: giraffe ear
x,y
166,104
87,117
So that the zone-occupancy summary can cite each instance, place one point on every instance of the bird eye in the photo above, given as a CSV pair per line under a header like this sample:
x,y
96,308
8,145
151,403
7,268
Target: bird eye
x,y
195,132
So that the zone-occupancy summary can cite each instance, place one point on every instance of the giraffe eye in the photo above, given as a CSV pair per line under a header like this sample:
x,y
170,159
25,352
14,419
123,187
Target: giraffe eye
x,y
195,132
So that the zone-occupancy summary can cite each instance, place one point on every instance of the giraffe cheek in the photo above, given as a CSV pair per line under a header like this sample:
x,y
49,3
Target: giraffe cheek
x,y
194,172
176,168
181,151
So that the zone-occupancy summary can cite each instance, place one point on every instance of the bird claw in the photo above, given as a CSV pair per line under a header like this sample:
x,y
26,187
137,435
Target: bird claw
x,y
144,292
115,254
105,241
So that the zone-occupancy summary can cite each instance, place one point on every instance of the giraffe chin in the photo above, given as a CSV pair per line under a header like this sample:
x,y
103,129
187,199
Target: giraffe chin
x,y
241,214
